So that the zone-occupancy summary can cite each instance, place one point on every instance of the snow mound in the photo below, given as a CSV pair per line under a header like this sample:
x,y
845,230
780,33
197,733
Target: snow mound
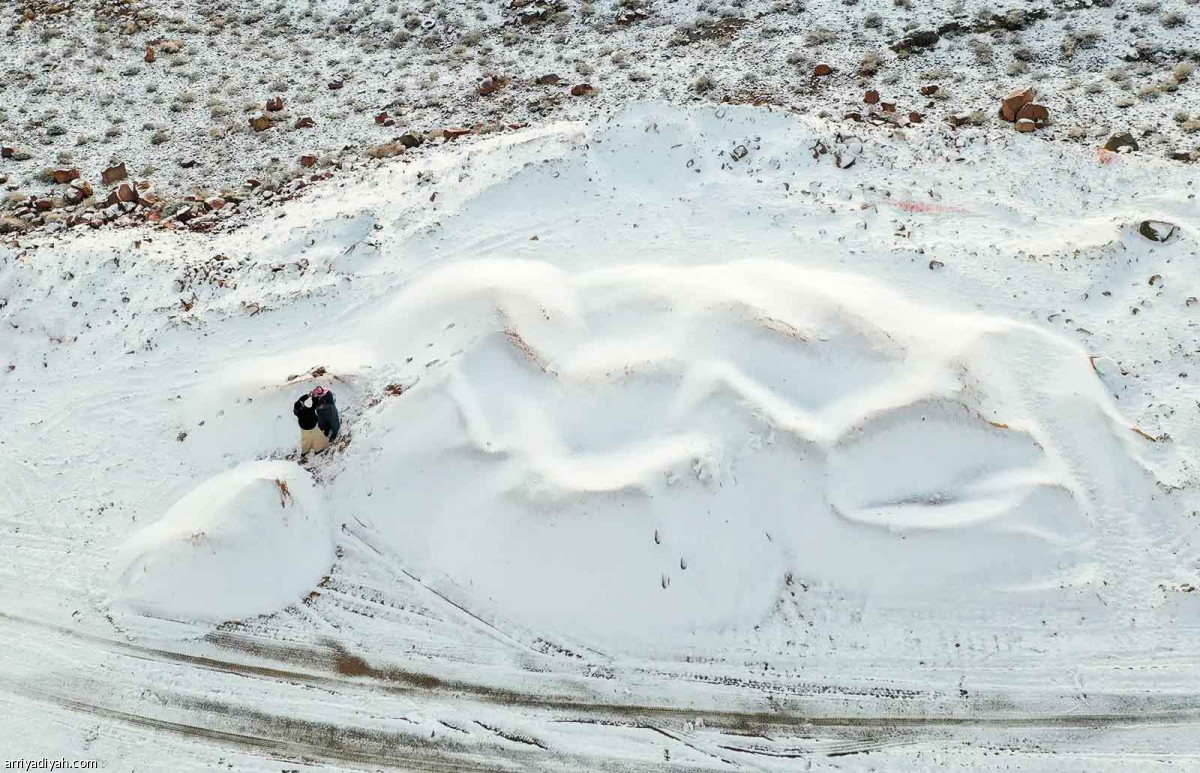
x,y
641,447
246,542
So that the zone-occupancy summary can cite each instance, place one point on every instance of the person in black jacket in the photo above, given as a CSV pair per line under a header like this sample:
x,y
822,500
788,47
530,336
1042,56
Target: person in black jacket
x,y
319,421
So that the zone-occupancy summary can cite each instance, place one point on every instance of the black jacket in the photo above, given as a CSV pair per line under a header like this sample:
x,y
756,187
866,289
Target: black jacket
x,y
322,414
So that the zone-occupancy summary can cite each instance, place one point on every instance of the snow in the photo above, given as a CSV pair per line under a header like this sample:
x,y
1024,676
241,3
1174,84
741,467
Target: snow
x,y
759,460
243,543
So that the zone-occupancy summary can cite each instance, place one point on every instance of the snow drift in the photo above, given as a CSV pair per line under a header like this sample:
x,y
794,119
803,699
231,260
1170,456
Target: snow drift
x,y
246,542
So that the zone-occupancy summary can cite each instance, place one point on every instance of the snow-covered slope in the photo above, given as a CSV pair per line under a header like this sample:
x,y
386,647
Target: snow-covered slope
x,y
657,432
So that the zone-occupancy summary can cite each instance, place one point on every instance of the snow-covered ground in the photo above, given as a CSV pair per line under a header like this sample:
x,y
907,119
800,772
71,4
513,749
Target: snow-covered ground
x,y
671,441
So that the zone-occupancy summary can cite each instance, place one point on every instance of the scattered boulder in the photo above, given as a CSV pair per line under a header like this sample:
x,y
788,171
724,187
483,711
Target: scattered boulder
x,y
930,90
582,90
260,123
305,123
386,150
1122,141
871,97
410,139
308,161
489,85
915,117
1039,114
149,55
1157,230
821,70
548,80
171,46
43,205
1012,104
454,133
1026,125
64,176
888,107
335,85
275,105
382,119
114,174
7,152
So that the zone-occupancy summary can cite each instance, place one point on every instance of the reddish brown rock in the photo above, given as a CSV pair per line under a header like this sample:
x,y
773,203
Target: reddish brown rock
x,y
1039,114
42,205
915,117
1025,125
488,85
64,176
308,161
335,85
260,123
930,90
114,174
1012,104
582,90
305,123
822,70
871,97
83,187
7,152
888,107
215,203
455,133
275,105
382,118
149,55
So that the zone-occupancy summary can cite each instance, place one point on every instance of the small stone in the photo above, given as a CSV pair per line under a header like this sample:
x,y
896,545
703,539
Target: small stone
x,y
335,85
114,174
305,123
871,97
582,90
454,133
308,161
275,105
1026,125
915,117
936,264
149,55
7,152
1011,104
1156,230
260,123
410,140
821,70
214,203
739,153
43,205
548,80
1123,141
64,176
171,46
487,86
888,107
930,90
382,118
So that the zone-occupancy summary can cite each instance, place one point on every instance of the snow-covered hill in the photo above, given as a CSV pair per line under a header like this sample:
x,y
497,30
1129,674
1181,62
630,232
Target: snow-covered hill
x,y
686,439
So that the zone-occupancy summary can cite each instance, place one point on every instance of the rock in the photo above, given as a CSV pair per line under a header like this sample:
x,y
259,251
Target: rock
x,y
73,196
171,46
821,70
382,118
214,203
888,107
410,140
487,86
455,133
386,150
739,153
185,214
1026,125
1182,156
7,152
918,39
1157,230
936,264
1122,141
1012,104
548,80
915,117
856,117
274,105
582,90
871,97
308,161
959,119
124,193
1191,301
64,176
335,85
83,187
260,123
930,90
114,174
187,163
43,205
1039,114
149,55
305,123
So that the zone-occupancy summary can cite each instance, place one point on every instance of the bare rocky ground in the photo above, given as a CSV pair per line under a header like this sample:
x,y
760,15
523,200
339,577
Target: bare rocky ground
x,y
214,107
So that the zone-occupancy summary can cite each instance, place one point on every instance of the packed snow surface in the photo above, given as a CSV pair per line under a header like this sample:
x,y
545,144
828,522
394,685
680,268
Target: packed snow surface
x,y
672,441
